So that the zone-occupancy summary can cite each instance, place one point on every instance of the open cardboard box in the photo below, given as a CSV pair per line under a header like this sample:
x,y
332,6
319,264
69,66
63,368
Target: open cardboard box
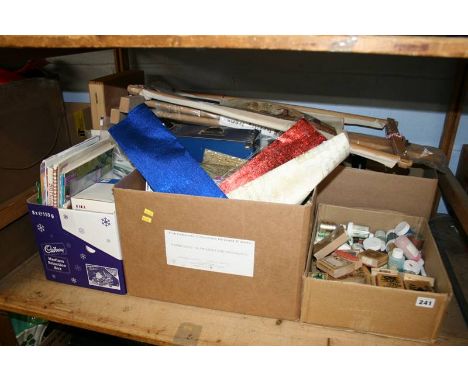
x,y
351,187
232,255
375,309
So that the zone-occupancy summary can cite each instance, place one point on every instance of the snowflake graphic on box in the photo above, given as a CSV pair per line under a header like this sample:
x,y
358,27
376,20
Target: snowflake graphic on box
x,y
40,228
106,222
73,280
83,256
77,268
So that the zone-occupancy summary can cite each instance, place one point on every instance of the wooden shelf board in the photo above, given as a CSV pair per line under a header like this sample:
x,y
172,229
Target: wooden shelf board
x,y
392,45
26,291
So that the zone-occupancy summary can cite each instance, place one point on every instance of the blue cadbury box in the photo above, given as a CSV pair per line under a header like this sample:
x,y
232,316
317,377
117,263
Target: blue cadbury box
x,y
240,143
79,247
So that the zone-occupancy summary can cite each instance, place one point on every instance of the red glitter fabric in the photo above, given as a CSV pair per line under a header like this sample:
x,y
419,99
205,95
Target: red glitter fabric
x,y
297,140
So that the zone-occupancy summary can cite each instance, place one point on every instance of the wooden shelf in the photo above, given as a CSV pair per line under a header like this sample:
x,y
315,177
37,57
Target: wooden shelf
x,y
435,46
26,291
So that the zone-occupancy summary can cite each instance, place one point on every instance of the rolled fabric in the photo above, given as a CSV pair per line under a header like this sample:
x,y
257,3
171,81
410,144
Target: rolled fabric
x,y
160,158
291,182
300,138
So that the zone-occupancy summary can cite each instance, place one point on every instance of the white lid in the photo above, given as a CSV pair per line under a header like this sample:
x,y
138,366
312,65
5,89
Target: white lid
x,y
371,234
402,228
372,243
397,253
389,232
344,247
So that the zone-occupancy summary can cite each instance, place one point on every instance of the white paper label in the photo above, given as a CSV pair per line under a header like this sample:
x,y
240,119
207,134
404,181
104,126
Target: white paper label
x,y
210,253
425,302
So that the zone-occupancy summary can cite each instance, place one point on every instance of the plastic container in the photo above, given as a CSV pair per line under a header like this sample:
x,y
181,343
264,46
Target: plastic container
x,y
396,260
355,230
391,235
411,266
410,251
402,228
372,243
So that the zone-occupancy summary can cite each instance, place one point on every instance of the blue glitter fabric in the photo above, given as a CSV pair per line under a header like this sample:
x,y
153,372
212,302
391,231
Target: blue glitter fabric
x,y
160,158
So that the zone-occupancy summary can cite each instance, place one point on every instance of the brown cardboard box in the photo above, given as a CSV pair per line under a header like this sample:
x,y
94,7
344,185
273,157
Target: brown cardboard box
x,y
281,234
78,120
105,92
376,309
351,187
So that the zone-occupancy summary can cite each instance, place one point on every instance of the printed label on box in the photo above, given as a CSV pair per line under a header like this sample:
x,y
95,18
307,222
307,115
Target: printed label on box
x,y
103,277
425,302
54,249
210,253
57,264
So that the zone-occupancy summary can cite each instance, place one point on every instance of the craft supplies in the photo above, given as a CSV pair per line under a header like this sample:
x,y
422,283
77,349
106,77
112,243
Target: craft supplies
x,y
359,276
389,281
402,228
356,230
299,139
159,157
417,241
372,243
373,259
412,277
410,251
381,235
335,265
330,243
350,256
391,235
412,266
358,247
324,226
294,180
396,259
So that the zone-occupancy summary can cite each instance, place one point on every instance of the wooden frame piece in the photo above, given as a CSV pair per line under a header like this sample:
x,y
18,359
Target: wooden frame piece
x,y
14,208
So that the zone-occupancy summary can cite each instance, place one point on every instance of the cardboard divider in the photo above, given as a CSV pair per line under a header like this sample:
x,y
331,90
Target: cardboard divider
x,y
377,309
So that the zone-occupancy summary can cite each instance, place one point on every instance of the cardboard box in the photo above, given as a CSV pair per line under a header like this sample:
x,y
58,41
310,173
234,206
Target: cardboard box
x,y
79,247
232,255
105,93
367,308
78,120
351,187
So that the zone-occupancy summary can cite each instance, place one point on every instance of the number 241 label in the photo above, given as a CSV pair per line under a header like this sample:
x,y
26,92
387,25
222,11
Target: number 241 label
x,y
425,302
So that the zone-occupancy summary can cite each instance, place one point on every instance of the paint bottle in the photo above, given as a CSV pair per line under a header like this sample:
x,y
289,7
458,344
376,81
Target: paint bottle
x,y
372,243
391,235
396,260
381,235
404,228
410,251
355,230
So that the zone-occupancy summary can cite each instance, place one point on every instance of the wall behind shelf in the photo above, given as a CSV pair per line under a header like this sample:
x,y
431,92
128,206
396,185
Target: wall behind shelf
x,y
414,91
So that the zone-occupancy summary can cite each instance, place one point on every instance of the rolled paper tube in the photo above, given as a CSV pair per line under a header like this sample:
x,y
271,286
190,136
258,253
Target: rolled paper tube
x,y
159,157
299,139
291,182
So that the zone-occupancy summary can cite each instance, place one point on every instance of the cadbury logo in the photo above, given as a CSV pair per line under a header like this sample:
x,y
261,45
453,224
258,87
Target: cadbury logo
x,y
53,248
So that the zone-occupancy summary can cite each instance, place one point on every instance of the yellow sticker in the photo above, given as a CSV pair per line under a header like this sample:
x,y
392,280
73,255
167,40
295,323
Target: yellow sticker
x,y
146,219
148,212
